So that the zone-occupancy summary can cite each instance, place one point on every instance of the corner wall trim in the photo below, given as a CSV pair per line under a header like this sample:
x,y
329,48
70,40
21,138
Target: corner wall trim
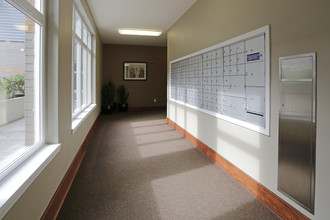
x,y
55,204
275,203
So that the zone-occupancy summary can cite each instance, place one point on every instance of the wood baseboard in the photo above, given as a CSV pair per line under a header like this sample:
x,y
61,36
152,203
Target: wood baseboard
x,y
275,203
146,108
55,204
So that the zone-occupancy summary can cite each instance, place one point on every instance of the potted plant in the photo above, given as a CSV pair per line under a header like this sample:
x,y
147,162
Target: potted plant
x,y
108,95
123,97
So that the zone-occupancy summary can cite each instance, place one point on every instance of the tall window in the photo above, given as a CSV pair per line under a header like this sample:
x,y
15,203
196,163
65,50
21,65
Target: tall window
x,y
21,79
81,67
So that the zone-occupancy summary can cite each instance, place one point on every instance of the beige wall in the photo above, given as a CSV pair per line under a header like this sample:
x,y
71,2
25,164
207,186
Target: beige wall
x,y
296,27
35,200
142,93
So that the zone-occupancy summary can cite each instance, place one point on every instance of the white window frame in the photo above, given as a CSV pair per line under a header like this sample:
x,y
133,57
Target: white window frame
x,y
19,174
84,109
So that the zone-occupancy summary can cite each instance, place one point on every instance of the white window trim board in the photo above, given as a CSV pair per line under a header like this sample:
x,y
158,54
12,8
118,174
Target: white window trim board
x,y
14,185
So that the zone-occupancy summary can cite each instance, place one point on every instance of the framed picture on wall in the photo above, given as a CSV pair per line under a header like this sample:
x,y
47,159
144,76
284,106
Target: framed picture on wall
x,y
135,71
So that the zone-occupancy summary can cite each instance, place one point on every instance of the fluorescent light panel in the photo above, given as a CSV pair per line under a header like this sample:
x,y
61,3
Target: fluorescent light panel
x,y
139,32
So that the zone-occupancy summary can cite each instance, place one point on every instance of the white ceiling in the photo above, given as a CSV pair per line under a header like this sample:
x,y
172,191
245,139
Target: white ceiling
x,y
110,15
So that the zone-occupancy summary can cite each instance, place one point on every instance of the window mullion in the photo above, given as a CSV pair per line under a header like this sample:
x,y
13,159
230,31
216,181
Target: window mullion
x,y
79,79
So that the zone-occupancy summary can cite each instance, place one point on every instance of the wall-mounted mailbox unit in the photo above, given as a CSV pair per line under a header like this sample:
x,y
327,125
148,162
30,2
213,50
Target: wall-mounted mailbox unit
x,y
297,123
229,80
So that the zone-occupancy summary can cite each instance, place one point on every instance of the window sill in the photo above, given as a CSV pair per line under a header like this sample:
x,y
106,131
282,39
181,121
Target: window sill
x,y
14,185
76,121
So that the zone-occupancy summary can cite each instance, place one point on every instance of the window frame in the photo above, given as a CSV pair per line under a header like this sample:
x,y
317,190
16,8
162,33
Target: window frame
x,y
84,88
20,173
31,12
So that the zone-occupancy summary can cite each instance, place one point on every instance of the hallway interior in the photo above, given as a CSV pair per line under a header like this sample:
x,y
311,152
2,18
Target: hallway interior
x,y
138,167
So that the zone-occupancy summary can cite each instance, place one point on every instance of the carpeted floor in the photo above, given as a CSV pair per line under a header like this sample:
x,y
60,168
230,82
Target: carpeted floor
x,y
137,167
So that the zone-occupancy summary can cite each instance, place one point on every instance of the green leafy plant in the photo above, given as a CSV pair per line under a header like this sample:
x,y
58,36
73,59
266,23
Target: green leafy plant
x,y
13,86
122,94
108,96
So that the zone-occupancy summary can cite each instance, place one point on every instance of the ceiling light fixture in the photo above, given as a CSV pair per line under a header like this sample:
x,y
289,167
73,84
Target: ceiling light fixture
x,y
139,32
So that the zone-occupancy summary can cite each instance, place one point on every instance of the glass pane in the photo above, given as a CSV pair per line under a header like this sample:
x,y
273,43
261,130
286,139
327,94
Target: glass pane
x,y
77,24
76,77
85,34
19,84
89,40
36,4
84,78
89,78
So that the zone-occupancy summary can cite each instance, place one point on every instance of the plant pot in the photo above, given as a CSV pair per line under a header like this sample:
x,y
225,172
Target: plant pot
x,y
107,109
123,107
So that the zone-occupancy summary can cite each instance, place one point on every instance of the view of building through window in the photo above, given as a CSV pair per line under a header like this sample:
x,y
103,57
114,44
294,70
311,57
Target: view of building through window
x,y
19,84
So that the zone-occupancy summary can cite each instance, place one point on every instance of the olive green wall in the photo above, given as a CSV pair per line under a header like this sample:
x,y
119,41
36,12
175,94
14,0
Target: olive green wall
x,y
296,27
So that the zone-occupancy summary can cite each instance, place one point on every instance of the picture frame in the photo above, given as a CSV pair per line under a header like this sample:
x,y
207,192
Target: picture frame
x,y
135,71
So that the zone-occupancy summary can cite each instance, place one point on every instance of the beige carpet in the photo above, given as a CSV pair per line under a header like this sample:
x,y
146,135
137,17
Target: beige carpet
x,y
137,167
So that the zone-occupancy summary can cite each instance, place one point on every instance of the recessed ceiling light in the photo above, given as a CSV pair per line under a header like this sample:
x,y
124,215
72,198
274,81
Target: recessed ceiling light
x,y
139,32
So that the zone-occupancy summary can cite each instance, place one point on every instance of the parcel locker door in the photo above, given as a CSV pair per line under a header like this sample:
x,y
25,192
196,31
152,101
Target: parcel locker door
x,y
255,74
237,85
255,48
255,98
238,108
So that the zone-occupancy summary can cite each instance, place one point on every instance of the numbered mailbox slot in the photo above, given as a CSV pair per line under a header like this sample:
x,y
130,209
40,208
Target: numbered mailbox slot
x,y
219,80
209,72
237,48
226,71
226,80
233,70
208,56
241,69
219,71
255,98
226,90
204,57
219,53
214,64
226,51
255,74
214,80
206,89
237,85
213,98
219,98
204,65
204,72
226,61
233,59
219,62
240,58
213,54
213,89
218,89
208,64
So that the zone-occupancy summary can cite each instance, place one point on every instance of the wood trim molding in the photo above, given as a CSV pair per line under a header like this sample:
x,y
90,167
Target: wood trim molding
x,y
55,204
275,203
146,108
